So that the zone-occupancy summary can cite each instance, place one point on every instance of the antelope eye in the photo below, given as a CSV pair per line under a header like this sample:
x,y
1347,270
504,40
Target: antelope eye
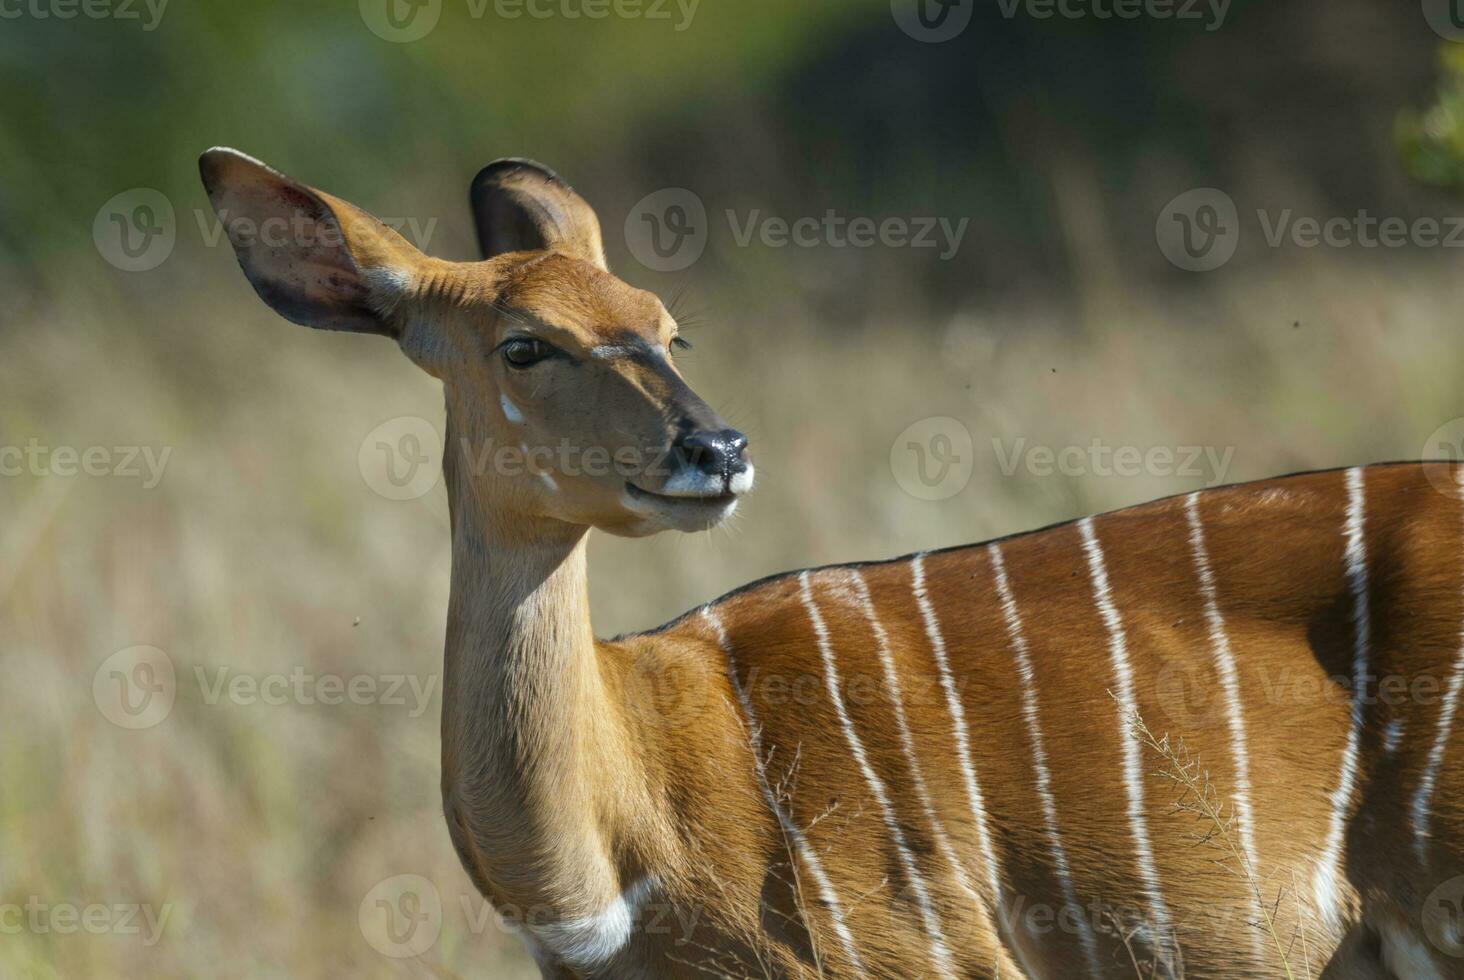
x,y
525,352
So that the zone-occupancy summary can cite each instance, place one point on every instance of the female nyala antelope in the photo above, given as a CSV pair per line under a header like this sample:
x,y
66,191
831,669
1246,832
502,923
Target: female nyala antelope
x,y
926,767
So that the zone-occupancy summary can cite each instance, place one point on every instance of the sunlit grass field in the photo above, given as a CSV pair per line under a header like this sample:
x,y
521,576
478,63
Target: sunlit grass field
x,y
253,826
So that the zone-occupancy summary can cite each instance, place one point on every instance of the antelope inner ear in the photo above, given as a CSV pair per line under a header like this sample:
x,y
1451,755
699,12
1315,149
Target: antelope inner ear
x,y
523,206
317,260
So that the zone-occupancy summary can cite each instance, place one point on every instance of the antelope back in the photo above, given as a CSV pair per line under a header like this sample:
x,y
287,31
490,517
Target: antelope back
x,y
1211,735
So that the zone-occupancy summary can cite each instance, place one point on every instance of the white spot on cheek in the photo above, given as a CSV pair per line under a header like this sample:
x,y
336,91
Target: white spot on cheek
x,y
510,410
548,481
387,280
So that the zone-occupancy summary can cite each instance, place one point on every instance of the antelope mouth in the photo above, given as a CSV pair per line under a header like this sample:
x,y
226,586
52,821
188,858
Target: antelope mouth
x,y
690,500
684,505
712,497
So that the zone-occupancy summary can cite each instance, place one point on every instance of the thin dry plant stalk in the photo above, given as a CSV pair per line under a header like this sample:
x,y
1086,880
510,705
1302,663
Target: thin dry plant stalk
x,y
1303,909
1199,797
721,963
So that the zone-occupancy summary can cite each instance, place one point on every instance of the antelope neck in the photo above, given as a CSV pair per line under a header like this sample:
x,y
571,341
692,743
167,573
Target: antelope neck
x,y
533,748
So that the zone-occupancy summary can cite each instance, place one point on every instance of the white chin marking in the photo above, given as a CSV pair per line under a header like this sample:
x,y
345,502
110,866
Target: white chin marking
x,y
548,481
693,483
678,513
510,410
690,483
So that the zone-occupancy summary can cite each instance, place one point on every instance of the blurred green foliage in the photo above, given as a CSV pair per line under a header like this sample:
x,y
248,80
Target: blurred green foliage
x,y
1057,139
90,106
1432,140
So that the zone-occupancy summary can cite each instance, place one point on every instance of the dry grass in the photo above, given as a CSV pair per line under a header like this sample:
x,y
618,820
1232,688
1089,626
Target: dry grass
x,y
1196,796
262,827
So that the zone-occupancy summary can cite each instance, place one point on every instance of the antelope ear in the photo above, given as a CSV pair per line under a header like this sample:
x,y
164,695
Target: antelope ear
x,y
523,206
318,261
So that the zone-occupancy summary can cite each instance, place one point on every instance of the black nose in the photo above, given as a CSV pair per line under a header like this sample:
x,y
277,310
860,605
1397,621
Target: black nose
x,y
716,453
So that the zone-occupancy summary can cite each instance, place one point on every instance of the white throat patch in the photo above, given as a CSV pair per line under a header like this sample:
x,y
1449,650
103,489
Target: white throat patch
x,y
588,944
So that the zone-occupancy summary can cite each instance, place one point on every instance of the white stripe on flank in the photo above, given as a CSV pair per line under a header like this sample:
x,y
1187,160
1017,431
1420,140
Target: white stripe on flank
x,y
1133,775
1423,799
1031,712
917,776
939,951
1393,735
1235,714
1328,897
796,838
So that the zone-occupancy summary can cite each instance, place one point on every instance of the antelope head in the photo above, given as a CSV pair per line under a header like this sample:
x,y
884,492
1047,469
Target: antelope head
x,y
563,399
